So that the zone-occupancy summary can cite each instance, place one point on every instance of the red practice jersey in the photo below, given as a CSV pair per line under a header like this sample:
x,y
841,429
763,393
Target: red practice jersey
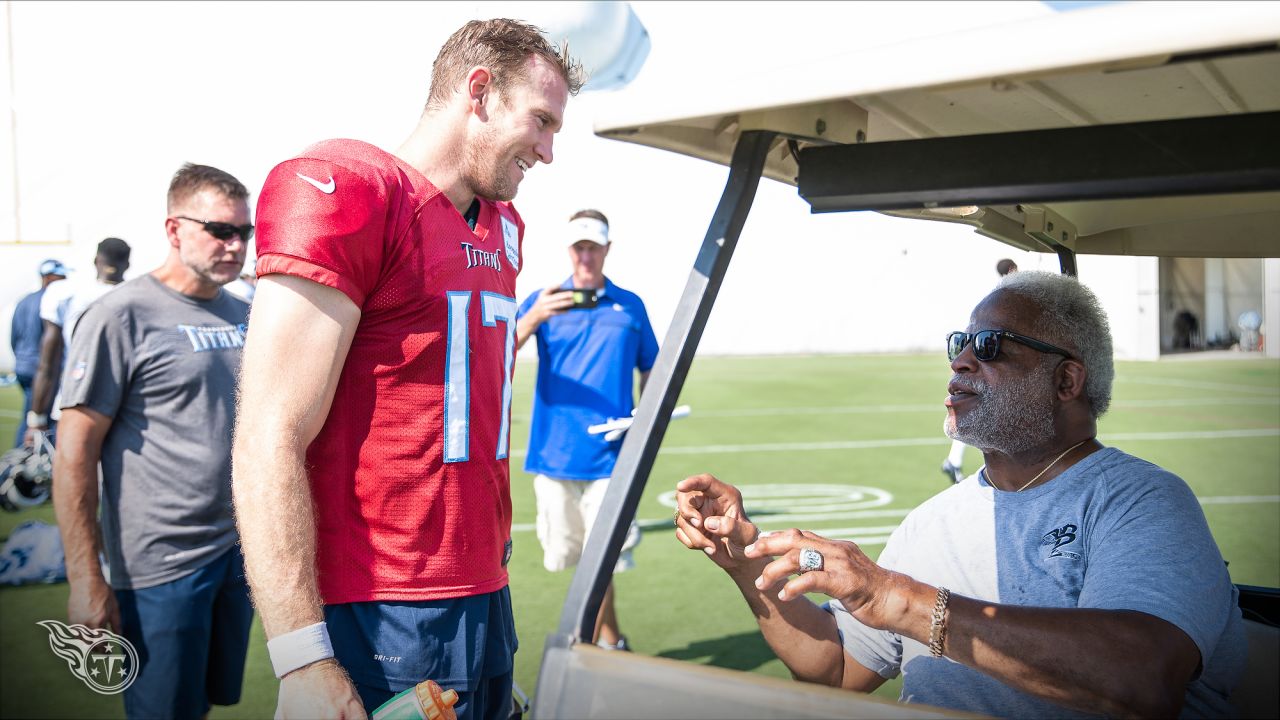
x,y
409,473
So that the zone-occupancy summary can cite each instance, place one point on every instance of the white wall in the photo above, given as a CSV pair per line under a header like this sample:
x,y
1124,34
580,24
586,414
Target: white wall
x,y
111,98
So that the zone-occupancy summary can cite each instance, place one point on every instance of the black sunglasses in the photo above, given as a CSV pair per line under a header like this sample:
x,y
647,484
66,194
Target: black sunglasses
x,y
222,231
986,344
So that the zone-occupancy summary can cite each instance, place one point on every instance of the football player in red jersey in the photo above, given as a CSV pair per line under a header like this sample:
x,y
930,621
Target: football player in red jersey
x,y
371,481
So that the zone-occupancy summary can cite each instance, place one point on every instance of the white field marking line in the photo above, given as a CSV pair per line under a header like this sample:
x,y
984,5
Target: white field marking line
x,y
938,408
1197,434
792,518
777,504
10,414
1239,499
818,491
908,442
1188,402
820,498
1172,382
837,532
865,541
838,410
781,521
792,447
914,442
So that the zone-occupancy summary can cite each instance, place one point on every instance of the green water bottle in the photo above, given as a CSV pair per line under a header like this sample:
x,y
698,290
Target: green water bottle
x,y
424,701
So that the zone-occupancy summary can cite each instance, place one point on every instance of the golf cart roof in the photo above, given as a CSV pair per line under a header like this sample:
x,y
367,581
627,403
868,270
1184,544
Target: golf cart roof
x,y
1128,129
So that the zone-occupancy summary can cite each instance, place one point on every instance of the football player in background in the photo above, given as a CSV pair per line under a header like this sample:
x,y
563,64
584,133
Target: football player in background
x,y
25,331
60,307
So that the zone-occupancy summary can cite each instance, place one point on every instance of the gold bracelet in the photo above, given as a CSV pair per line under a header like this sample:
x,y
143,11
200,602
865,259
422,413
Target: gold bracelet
x,y
938,622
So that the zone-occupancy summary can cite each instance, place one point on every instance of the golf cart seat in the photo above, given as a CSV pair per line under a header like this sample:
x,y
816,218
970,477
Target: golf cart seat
x,y
1257,695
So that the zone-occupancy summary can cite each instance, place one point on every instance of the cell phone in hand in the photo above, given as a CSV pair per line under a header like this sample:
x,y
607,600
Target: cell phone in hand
x,y
584,298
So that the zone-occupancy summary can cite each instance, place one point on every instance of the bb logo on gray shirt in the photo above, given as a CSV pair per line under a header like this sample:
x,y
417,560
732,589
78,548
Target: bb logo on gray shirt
x,y
1058,537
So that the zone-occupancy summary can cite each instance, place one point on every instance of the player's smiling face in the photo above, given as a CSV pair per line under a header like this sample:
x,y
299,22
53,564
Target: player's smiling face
x,y
523,120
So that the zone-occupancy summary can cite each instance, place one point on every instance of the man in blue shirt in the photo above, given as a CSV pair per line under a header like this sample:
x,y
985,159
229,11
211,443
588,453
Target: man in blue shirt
x,y
592,336
24,338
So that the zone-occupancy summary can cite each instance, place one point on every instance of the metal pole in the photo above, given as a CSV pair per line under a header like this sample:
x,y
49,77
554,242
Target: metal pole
x,y
1067,260
640,447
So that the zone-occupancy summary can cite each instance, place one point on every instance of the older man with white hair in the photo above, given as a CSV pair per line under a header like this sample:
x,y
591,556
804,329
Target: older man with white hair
x,y
1064,578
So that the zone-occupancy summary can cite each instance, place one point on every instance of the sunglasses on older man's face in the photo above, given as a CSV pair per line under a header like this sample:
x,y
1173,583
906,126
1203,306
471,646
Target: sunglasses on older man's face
x,y
222,231
986,344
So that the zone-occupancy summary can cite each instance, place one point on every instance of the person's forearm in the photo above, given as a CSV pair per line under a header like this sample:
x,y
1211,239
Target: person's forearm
x,y
801,634
1024,648
525,328
275,516
75,504
45,384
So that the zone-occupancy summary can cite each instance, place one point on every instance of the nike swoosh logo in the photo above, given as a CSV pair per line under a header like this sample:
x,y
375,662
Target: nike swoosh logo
x,y
326,187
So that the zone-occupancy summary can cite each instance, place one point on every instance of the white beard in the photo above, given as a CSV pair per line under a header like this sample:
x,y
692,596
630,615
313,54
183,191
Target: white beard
x,y
1012,418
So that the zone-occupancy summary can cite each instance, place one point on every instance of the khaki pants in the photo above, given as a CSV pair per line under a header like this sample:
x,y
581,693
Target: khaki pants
x,y
566,511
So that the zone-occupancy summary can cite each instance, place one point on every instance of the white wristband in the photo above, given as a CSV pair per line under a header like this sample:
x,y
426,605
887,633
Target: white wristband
x,y
299,648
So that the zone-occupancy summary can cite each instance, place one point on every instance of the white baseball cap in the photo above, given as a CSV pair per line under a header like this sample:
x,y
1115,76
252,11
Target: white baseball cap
x,y
588,228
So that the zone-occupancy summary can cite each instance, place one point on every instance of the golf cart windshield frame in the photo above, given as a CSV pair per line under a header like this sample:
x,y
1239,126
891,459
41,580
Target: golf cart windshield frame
x,y
1150,159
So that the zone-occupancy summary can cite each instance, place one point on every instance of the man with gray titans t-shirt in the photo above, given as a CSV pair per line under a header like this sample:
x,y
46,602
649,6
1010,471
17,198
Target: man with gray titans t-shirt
x,y
149,391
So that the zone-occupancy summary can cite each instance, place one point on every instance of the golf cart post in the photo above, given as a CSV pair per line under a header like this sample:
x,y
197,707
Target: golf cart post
x,y
1133,129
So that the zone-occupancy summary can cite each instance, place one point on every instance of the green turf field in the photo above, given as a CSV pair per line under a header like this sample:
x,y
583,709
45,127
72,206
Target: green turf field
x,y
855,440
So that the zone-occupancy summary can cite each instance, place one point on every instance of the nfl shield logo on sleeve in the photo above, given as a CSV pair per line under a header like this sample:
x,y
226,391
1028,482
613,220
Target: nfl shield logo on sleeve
x,y
511,240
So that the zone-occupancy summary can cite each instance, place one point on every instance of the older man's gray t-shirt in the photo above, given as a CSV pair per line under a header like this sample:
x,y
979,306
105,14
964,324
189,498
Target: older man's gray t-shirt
x,y
1112,532
163,367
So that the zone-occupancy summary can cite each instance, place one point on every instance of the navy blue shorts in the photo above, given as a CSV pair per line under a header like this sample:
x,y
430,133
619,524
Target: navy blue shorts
x,y
465,644
191,635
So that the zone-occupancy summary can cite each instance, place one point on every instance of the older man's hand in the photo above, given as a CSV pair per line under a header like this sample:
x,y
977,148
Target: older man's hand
x,y
710,517
867,590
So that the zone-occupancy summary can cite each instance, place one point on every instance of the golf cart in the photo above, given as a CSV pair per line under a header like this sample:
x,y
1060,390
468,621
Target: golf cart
x,y
1130,129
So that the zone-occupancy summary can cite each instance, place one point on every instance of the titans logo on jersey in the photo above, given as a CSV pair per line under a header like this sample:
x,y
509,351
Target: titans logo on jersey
x,y
480,258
